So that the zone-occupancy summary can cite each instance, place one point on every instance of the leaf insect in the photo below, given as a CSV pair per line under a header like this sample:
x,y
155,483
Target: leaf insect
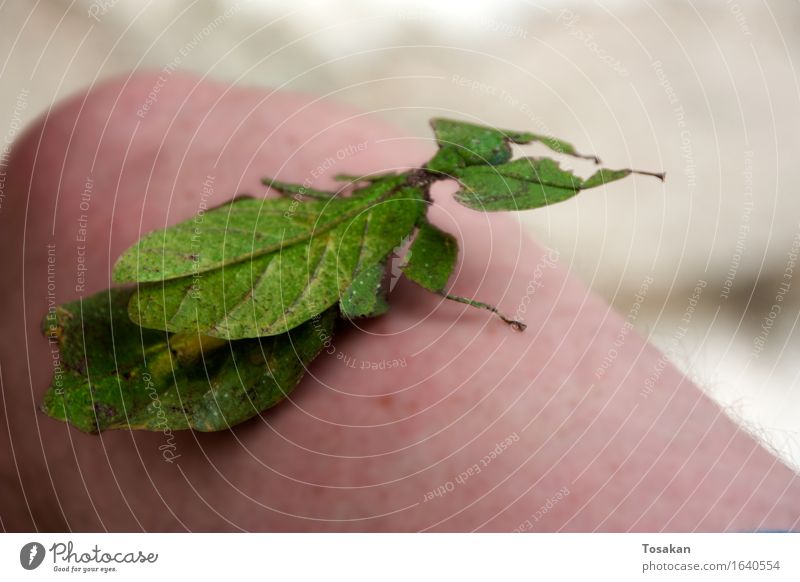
x,y
226,313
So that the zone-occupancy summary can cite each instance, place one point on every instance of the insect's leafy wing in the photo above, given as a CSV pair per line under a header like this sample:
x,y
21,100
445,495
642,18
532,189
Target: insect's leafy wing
x,y
431,257
366,295
464,144
275,292
115,375
524,184
241,230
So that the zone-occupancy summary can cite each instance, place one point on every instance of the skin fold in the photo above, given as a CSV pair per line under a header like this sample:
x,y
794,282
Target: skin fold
x,y
398,426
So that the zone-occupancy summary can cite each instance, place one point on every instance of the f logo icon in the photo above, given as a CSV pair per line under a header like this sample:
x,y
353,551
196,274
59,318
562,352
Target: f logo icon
x,y
31,555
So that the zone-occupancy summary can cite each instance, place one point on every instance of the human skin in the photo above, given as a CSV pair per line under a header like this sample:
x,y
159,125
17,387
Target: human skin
x,y
352,449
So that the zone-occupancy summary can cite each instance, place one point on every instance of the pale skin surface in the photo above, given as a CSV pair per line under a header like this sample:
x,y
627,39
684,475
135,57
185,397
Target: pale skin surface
x,y
353,449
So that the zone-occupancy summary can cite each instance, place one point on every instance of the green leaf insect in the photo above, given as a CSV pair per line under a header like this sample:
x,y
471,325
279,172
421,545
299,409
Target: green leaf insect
x,y
228,309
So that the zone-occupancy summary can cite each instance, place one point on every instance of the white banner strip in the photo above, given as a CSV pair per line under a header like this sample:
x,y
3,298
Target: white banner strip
x,y
401,557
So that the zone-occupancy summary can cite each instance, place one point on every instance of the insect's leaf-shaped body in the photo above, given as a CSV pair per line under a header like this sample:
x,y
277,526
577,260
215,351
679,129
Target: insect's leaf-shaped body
x,y
277,291
238,231
115,375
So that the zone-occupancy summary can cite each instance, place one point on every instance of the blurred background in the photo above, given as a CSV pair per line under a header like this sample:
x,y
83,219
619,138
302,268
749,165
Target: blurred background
x,y
705,90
